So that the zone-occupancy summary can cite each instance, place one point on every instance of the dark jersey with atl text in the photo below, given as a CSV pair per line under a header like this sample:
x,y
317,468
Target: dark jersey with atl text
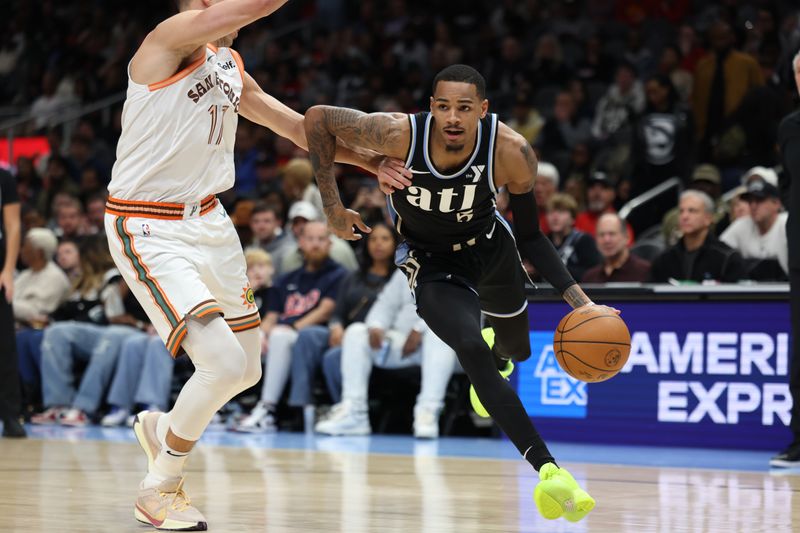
x,y
441,209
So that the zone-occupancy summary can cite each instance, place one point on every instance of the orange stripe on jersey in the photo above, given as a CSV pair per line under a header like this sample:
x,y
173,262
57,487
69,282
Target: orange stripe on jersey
x,y
178,76
239,62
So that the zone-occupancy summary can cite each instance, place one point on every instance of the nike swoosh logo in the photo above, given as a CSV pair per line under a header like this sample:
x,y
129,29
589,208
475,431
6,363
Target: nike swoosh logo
x,y
176,454
418,171
488,236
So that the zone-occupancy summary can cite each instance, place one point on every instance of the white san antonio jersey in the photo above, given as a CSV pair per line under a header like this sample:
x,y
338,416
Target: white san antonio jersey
x,y
177,135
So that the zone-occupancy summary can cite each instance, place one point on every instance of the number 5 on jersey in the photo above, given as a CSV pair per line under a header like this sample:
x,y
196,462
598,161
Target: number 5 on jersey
x,y
217,113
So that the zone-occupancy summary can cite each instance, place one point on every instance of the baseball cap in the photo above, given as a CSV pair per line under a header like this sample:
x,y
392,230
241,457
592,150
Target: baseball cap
x,y
766,174
706,172
303,209
601,177
760,189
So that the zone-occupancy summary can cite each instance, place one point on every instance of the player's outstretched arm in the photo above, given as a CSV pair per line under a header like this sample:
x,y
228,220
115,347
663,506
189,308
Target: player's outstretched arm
x,y
259,107
188,30
385,133
517,165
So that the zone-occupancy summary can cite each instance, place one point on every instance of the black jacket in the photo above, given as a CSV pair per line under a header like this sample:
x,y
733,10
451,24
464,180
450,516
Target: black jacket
x,y
715,261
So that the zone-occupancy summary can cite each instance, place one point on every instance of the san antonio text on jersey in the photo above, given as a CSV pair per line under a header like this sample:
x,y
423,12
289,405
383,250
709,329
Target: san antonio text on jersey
x,y
444,209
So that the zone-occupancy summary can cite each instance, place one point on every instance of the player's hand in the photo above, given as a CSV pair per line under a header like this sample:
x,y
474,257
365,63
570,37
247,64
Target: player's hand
x,y
375,338
341,222
335,337
393,175
7,284
412,343
612,309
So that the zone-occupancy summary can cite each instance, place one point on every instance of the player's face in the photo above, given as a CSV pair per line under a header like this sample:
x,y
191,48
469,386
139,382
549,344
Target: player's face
x,y
693,216
456,110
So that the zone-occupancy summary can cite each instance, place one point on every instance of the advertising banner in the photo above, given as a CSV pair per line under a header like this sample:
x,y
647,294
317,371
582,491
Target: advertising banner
x,y
700,373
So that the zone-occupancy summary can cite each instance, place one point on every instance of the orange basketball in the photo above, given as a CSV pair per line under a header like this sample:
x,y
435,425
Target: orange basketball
x,y
592,343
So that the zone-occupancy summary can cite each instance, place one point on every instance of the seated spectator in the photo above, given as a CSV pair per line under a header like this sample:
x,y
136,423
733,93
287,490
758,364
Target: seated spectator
x,y
698,255
142,379
619,264
301,298
297,177
357,293
393,336
68,258
576,249
705,178
95,214
762,235
103,313
600,194
260,273
544,187
70,220
266,224
40,288
299,214
760,173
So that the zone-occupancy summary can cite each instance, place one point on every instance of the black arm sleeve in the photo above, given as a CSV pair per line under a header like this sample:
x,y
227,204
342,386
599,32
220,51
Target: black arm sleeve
x,y
534,246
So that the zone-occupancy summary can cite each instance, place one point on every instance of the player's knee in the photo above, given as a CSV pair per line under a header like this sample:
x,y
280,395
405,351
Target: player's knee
x,y
473,353
229,369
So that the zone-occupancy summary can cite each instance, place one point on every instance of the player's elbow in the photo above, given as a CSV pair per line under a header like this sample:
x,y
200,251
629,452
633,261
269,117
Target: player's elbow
x,y
314,119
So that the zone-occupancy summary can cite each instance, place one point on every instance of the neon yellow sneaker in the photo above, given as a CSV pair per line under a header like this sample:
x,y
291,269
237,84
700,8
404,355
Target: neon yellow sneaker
x,y
477,406
558,494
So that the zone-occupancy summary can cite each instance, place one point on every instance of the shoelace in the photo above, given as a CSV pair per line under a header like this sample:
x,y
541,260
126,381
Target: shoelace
x,y
180,501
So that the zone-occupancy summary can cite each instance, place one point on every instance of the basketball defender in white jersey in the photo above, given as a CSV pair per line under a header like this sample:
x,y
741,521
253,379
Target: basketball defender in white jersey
x,y
173,241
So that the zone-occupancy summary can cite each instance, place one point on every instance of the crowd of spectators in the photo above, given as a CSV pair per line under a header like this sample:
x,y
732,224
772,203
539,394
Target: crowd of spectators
x,y
616,96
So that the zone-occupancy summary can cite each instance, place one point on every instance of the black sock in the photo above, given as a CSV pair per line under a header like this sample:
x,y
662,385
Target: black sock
x,y
538,455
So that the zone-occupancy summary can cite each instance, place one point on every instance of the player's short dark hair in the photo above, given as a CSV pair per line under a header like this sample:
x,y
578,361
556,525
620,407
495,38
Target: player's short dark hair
x,y
464,74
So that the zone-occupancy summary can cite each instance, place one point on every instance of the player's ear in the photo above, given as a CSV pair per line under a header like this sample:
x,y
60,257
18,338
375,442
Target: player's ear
x,y
484,108
431,103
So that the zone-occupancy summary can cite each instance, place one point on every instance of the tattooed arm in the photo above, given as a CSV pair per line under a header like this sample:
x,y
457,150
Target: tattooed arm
x,y
387,134
265,110
516,169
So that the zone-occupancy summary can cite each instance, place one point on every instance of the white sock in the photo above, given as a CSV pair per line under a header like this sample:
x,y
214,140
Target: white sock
x,y
168,465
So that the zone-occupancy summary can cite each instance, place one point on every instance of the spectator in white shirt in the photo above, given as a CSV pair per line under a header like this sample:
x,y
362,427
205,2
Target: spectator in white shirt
x,y
762,235
42,286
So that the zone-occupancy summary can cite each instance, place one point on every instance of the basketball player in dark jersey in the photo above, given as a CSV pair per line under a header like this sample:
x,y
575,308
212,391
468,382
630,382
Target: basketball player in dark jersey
x,y
459,255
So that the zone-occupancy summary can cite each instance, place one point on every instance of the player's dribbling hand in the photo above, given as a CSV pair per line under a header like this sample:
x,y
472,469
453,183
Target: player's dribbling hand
x,y
393,175
341,222
612,309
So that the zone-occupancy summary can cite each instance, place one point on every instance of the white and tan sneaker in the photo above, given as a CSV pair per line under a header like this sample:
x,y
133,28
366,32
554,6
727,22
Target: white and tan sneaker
x,y
168,508
144,427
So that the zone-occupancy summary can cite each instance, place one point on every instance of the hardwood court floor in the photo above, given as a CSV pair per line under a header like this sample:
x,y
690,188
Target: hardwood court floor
x,y
80,486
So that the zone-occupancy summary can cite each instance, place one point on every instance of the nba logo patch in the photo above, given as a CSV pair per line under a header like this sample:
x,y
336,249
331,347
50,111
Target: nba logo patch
x,y
146,230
